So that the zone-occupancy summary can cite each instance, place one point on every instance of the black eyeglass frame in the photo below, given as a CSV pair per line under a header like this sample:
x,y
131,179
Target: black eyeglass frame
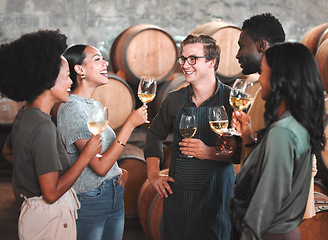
x,y
182,58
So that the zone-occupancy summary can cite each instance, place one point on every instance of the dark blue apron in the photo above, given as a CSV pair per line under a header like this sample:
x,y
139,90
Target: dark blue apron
x,y
198,207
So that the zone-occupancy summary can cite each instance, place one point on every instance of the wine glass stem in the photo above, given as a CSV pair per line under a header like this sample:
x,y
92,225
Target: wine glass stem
x,y
147,121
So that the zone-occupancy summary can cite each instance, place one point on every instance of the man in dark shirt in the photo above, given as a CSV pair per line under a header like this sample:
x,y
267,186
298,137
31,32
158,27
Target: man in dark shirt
x,y
197,190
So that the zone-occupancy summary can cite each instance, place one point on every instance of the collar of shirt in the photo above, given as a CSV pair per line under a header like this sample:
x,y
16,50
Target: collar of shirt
x,y
191,92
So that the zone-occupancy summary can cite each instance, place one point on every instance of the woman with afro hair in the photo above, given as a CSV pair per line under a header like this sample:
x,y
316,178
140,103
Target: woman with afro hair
x,y
272,186
33,69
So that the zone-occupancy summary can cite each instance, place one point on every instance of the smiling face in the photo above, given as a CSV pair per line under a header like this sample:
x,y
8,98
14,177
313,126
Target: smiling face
x,y
202,69
60,91
249,57
94,67
264,79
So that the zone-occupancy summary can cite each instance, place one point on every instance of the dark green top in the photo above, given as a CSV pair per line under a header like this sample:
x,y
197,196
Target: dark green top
x,y
37,150
272,186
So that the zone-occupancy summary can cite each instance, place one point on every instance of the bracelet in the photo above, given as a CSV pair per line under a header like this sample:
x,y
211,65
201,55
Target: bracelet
x,y
119,142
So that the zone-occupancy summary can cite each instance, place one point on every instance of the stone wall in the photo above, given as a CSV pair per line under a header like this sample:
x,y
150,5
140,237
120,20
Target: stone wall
x,y
99,22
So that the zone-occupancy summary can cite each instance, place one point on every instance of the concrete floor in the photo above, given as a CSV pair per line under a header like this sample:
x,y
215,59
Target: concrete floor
x,y
9,211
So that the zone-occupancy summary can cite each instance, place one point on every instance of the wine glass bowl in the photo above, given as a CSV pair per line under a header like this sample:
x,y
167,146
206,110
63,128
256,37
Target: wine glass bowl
x,y
219,122
187,128
241,94
147,90
241,97
97,120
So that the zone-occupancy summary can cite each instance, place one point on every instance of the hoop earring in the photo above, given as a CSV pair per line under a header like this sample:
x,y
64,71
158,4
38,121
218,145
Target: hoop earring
x,y
82,77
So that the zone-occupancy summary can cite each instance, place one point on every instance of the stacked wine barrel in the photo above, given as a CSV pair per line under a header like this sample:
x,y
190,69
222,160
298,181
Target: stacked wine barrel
x,y
316,39
8,110
150,206
316,226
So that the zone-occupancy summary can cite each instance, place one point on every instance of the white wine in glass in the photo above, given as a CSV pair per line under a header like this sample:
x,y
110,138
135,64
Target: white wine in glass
x,y
219,122
147,90
241,97
219,126
187,128
241,94
97,120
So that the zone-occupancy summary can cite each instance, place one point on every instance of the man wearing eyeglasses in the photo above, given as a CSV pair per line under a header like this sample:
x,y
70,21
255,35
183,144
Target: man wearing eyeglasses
x,y
198,189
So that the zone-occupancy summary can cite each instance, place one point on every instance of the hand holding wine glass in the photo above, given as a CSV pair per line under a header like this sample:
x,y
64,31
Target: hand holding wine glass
x,y
218,120
97,120
188,128
147,90
241,97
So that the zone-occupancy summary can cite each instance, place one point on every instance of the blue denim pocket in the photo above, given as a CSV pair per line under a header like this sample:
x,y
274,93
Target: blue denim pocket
x,y
91,194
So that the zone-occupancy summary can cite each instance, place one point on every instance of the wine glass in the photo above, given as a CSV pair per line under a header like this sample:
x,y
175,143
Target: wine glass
x,y
97,120
147,90
188,128
218,120
241,97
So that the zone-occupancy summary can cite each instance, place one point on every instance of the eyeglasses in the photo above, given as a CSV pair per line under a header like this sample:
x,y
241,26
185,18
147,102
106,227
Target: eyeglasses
x,y
191,59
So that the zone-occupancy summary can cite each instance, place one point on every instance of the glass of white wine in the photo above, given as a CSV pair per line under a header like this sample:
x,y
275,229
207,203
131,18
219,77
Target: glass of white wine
x,y
188,128
147,90
241,97
97,120
219,122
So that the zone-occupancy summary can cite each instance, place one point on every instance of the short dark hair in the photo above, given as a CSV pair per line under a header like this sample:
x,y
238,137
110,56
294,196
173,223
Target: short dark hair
x,y
264,26
30,65
75,56
295,77
211,49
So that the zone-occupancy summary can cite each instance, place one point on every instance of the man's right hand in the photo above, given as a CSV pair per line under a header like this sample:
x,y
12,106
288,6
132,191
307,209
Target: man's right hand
x,y
160,183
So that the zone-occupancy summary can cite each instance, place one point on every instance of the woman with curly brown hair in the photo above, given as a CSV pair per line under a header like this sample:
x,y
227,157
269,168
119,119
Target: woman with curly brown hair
x,y
33,69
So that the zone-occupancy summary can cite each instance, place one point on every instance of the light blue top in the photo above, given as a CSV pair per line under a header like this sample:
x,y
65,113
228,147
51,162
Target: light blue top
x,y
72,125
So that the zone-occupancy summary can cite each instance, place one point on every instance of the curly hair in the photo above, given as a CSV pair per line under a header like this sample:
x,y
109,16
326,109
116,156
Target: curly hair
x,y
264,26
295,78
30,65
211,49
75,56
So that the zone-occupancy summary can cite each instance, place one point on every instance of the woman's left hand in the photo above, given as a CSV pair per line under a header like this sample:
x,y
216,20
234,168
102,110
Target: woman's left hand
x,y
123,178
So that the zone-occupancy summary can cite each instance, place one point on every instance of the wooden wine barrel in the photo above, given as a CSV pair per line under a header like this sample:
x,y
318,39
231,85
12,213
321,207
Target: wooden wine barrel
x,y
226,36
113,57
146,196
132,159
118,97
316,227
323,37
144,49
320,188
311,37
155,218
322,58
8,110
150,207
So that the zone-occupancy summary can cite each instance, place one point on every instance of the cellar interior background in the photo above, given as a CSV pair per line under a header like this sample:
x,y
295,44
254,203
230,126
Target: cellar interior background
x,y
99,23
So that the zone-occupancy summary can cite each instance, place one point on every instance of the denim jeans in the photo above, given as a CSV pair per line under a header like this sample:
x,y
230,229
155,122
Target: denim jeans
x,y
101,215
